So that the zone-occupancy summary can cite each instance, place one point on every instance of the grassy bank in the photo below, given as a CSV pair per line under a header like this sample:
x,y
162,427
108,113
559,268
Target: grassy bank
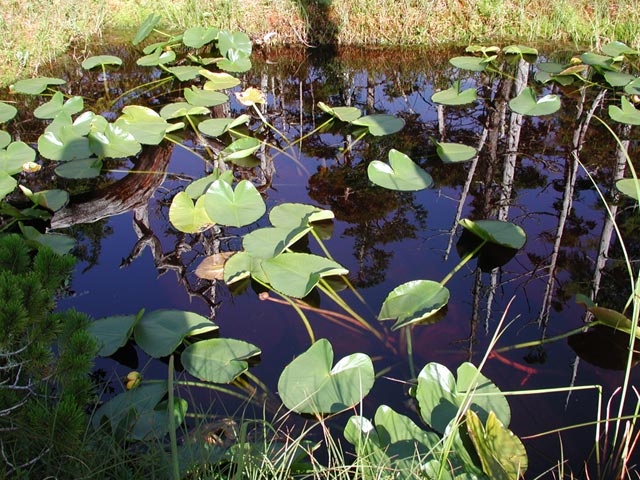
x,y
35,32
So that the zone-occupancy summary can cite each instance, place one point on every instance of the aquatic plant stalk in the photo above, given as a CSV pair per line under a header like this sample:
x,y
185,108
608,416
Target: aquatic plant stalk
x,y
172,422
462,263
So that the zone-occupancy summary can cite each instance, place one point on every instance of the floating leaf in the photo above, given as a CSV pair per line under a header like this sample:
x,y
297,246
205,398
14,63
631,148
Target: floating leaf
x,y
296,214
618,79
5,139
474,64
440,396
7,112
610,318
309,384
241,148
401,173
100,60
413,302
196,37
626,113
113,142
496,231
520,50
112,333
454,152
186,216
454,95
7,184
212,266
182,109
214,127
146,28
527,104
380,124
633,87
630,187
601,62
251,96
218,360
268,242
59,243
86,168
53,107
14,156
204,98
482,49
615,49
160,332
184,73
159,57
146,125
64,146
501,453
234,208
52,200
35,86
218,80
344,114
239,65
236,41
199,187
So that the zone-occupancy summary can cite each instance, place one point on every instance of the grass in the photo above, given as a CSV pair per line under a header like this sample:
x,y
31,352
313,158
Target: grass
x,y
36,32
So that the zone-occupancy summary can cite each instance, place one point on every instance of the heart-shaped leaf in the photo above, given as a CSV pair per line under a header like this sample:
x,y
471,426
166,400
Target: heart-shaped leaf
x,y
186,216
297,214
234,208
496,231
159,57
100,60
601,62
7,184
454,152
113,142
633,87
35,86
5,138
204,98
401,173
239,65
344,114
53,107
626,113
64,146
615,49
501,453
630,187
520,50
309,384
59,243
241,148
214,127
218,80
527,104
268,242
474,64
160,332
15,156
440,396
182,109
146,125
413,302
146,28
53,200
380,124
218,360
618,79
236,41
7,112
199,187
87,168
196,37
454,95
184,73
111,333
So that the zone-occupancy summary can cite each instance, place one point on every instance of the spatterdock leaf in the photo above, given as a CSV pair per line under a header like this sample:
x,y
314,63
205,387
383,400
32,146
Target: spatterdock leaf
x,y
455,95
414,302
238,207
528,104
625,113
218,360
401,173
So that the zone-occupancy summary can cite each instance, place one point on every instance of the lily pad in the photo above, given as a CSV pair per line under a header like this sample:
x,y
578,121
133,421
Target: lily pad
x,y
401,173
380,124
440,396
344,114
52,200
454,152
615,49
199,187
101,60
159,57
633,87
309,384
86,168
184,73
238,65
145,124
112,332
296,214
630,187
618,79
520,50
528,104
64,146
218,80
7,184
186,216
35,86
146,28
212,266
501,453
268,242
413,302
241,148
601,62
15,156
7,112
196,37
238,207
59,243
496,231
113,142
218,360
182,109
455,95
57,104
474,64
160,332
626,113
204,98
5,138
237,41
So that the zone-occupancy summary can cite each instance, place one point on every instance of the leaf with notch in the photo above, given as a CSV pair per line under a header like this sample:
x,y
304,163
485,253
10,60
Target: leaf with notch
x,y
626,113
454,95
401,173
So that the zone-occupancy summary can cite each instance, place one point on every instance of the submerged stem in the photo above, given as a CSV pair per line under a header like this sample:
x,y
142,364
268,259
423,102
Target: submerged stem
x,y
464,260
172,422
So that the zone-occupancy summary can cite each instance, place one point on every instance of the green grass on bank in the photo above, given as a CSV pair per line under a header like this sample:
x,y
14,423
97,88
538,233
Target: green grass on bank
x,y
34,32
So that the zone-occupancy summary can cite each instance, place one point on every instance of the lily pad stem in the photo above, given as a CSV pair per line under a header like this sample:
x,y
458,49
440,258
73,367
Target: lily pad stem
x,y
464,260
272,127
535,343
172,422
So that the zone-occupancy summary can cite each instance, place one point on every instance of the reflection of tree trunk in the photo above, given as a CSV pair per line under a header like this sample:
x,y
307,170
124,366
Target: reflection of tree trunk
x,y
571,173
132,191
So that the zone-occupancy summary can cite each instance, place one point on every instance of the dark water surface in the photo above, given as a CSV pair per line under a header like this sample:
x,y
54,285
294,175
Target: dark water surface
x,y
387,238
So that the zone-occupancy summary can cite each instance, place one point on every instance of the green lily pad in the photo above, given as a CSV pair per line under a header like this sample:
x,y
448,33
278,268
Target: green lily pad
x,y
111,333
204,98
184,73
237,41
196,37
630,187
344,114
238,207
611,318
520,50
182,109
626,113
527,104
241,266
296,274
159,57
482,49
15,156
7,184
440,396
218,360
615,49
601,62
309,384
199,187
633,87
57,104
113,142
186,216
59,243
296,214
52,200
618,79
100,60
474,64
454,152
7,112
380,124
145,124
218,80
214,127
64,146
239,65
35,86
268,242
454,95
413,302
86,168
496,231
241,148
501,453
146,28
160,332
5,138
401,173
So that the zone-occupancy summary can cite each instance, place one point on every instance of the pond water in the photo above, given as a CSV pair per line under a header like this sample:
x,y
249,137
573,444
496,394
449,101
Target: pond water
x,y
526,172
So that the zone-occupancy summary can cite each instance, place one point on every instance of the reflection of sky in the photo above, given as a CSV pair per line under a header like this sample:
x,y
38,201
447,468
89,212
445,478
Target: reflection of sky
x,y
107,289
